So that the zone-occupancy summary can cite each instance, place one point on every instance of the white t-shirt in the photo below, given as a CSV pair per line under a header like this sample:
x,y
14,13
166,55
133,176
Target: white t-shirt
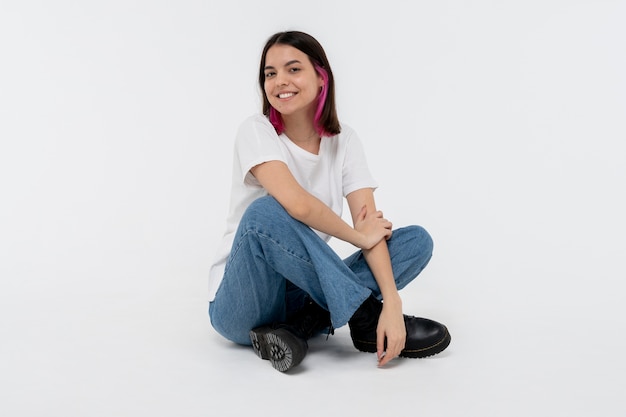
x,y
339,169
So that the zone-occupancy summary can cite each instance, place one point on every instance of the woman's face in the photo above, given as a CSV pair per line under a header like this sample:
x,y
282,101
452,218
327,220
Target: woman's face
x,y
291,83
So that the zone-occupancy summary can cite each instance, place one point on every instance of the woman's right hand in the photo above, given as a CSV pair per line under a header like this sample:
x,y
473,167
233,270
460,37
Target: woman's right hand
x,y
373,227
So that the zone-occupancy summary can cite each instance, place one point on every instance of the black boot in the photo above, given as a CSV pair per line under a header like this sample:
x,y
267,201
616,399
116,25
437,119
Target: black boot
x,y
309,321
424,337
284,344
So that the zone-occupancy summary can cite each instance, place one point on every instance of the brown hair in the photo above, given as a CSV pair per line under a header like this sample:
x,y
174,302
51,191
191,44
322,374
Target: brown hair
x,y
327,123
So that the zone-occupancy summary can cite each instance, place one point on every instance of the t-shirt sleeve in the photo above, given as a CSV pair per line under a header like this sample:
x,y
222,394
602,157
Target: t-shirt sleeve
x,y
356,173
256,142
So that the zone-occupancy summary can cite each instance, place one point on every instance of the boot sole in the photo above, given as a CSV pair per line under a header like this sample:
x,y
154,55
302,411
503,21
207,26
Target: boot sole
x,y
369,347
279,346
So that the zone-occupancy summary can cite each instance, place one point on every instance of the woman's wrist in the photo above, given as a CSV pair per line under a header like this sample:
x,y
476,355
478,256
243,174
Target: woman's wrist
x,y
392,298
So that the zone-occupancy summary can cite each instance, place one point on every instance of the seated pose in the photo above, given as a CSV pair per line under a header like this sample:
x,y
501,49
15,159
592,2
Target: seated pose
x,y
275,281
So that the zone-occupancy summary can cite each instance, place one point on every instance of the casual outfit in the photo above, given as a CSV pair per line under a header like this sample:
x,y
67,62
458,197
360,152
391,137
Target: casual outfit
x,y
270,266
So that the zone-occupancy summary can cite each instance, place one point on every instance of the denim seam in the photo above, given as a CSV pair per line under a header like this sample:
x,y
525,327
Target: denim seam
x,y
264,236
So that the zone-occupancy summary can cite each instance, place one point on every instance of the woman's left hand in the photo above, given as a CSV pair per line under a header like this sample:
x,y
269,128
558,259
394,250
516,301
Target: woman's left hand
x,y
392,328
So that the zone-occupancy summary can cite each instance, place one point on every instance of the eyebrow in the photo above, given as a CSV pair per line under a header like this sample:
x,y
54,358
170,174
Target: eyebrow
x,y
294,61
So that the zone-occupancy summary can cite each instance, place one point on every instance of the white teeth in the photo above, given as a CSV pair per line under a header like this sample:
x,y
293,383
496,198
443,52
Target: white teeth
x,y
285,95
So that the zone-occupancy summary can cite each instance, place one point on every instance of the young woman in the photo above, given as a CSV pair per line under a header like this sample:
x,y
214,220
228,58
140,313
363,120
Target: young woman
x,y
276,282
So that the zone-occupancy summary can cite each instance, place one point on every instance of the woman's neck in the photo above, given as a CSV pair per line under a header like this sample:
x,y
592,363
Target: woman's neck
x,y
302,132
300,128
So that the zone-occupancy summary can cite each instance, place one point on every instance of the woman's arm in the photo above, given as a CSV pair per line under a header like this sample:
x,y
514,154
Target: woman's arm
x,y
391,322
369,233
276,178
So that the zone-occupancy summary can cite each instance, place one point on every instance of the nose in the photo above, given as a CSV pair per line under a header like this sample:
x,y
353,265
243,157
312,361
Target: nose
x,y
281,79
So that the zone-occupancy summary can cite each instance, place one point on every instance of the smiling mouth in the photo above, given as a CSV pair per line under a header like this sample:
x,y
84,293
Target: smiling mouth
x,y
286,95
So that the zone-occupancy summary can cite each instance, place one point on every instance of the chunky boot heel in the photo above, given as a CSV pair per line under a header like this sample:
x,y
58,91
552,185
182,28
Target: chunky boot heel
x,y
257,337
284,344
282,348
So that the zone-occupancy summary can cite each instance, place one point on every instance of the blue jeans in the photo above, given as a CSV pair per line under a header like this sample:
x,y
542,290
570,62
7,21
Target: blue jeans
x,y
276,262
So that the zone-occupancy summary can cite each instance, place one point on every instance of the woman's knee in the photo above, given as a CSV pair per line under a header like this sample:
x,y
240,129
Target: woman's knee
x,y
263,203
416,244
262,210
414,237
423,238
411,249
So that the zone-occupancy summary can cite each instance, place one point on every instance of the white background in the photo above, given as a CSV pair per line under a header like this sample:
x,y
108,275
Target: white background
x,y
498,126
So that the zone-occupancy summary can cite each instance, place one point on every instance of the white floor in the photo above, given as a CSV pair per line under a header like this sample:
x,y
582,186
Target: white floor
x,y
151,352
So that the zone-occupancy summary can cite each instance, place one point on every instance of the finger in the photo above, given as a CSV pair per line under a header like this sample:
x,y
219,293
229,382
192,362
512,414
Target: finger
x,y
397,349
388,355
382,361
380,345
